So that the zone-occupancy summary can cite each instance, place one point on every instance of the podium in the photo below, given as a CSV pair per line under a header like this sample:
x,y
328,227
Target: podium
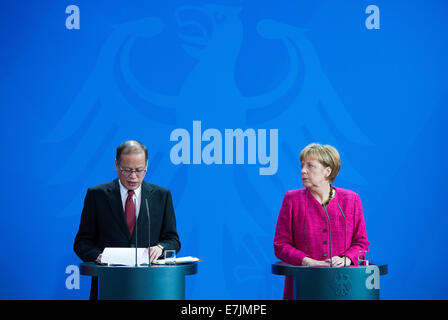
x,y
324,283
158,282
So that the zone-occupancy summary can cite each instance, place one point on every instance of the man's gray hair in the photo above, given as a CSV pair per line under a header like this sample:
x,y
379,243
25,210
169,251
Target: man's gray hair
x,y
131,146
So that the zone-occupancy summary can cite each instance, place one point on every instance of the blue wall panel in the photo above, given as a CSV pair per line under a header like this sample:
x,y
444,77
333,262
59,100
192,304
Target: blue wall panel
x,y
140,69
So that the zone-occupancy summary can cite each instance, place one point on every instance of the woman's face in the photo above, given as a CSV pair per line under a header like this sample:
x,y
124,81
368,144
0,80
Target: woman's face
x,y
314,174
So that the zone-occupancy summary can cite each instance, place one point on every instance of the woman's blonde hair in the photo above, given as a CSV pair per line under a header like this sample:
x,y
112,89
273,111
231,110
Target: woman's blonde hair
x,y
327,155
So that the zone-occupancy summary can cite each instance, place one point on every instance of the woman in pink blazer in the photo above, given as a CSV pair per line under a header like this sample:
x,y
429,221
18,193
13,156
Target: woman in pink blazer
x,y
308,216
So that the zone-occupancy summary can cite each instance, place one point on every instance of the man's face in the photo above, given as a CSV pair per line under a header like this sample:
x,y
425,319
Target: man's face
x,y
131,169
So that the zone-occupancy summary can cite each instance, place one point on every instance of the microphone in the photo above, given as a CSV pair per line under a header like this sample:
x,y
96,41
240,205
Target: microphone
x,y
329,232
345,235
149,233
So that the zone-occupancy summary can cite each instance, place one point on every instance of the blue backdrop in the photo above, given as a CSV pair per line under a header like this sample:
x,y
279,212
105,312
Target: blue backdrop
x,y
141,69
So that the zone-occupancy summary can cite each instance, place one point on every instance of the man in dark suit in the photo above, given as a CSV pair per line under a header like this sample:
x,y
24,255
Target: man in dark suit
x,y
108,217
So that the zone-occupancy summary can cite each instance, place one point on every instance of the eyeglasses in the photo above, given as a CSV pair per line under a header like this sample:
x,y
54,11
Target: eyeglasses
x,y
127,171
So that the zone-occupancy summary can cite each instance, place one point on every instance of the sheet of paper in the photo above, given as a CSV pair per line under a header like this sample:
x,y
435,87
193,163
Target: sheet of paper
x,y
124,256
179,260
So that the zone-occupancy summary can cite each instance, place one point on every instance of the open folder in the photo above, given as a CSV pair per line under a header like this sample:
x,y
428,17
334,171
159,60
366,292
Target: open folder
x,y
127,257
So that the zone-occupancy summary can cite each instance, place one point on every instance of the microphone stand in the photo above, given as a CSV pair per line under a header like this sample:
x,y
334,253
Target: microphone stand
x,y
345,236
149,233
136,235
329,233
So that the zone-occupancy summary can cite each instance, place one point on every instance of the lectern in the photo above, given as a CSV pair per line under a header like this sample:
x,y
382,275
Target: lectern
x,y
324,283
158,282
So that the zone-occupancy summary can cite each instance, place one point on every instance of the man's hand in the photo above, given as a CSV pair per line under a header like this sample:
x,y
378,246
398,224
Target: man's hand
x,y
156,252
98,259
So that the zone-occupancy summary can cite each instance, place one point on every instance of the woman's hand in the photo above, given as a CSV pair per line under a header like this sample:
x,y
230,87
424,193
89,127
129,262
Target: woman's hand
x,y
315,263
336,261
339,261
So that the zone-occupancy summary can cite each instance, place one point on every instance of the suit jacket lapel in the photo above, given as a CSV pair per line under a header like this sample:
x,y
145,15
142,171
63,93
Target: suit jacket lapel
x,y
117,207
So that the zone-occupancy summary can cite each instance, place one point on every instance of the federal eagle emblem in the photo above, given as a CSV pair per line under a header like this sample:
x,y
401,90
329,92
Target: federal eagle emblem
x,y
341,284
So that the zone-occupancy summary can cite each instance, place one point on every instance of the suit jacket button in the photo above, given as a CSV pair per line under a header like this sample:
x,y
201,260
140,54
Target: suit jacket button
x,y
325,230
325,242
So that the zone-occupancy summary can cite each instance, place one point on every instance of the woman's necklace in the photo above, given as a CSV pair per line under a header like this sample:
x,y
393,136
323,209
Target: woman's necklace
x,y
330,196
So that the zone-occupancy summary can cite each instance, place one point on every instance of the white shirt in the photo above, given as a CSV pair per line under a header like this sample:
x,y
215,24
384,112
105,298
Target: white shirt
x,y
137,195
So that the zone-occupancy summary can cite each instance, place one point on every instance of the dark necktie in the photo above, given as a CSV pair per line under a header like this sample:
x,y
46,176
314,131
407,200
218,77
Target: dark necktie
x,y
130,211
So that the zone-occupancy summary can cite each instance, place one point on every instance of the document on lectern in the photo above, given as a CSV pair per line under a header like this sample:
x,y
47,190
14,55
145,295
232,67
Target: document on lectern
x,y
180,260
124,256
